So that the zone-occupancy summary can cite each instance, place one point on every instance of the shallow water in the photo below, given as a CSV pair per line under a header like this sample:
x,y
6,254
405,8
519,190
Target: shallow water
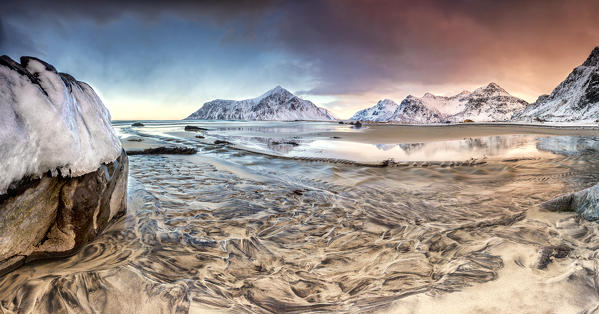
x,y
262,227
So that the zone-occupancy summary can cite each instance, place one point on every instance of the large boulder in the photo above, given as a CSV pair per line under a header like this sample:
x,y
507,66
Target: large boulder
x,y
585,203
63,171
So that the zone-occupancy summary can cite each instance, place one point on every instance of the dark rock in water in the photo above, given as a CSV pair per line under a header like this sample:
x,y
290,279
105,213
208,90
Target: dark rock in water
x,y
194,128
585,203
358,125
335,137
199,136
549,252
177,150
293,143
219,142
341,122
56,216
137,124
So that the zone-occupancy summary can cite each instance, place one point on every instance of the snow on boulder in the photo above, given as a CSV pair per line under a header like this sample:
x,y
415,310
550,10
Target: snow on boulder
x,y
50,122
63,171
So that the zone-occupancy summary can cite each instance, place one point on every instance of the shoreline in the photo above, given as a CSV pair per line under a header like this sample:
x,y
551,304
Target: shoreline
x,y
560,125
402,133
575,125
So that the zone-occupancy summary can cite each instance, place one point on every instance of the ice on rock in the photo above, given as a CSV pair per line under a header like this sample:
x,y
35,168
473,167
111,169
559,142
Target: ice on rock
x,y
50,122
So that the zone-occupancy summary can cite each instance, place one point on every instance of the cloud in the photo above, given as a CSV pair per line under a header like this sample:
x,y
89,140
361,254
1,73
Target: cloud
x,y
362,47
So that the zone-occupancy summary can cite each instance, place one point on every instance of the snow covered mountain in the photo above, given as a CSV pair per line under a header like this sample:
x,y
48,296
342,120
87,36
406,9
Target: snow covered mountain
x,y
381,112
574,99
488,103
415,110
276,104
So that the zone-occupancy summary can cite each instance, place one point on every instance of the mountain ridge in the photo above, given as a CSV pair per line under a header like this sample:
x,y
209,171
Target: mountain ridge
x,y
576,98
484,104
276,104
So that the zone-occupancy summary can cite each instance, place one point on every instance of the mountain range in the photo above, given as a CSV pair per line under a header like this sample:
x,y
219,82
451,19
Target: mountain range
x,y
489,103
575,99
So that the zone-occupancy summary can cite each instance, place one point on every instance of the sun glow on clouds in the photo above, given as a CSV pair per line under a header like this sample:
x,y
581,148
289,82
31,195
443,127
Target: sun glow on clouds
x,y
163,61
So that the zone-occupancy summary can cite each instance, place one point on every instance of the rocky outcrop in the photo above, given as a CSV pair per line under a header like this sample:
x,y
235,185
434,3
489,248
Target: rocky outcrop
x,y
55,216
585,203
63,171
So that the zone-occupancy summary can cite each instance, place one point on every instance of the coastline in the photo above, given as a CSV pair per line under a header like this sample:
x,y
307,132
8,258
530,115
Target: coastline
x,y
411,133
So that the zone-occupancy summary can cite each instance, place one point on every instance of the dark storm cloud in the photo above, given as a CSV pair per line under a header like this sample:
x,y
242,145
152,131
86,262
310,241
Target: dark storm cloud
x,y
364,44
2,35
63,11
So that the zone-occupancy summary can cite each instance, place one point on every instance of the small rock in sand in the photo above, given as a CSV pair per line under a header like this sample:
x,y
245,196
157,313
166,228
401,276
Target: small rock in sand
x,y
194,128
177,150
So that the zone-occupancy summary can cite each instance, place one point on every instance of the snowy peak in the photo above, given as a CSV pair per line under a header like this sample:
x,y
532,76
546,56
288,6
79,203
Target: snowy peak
x,y
462,94
386,104
414,110
593,59
381,112
574,99
386,101
277,91
490,90
276,104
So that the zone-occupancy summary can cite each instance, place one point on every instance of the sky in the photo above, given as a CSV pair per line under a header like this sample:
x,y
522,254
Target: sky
x,y
163,59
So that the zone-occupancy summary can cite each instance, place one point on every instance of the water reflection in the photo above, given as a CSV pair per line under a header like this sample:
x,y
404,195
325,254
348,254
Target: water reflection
x,y
326,140
569,145
228,229
490,147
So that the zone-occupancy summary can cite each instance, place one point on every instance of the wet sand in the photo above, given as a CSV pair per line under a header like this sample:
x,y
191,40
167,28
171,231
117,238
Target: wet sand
x,y
234,230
